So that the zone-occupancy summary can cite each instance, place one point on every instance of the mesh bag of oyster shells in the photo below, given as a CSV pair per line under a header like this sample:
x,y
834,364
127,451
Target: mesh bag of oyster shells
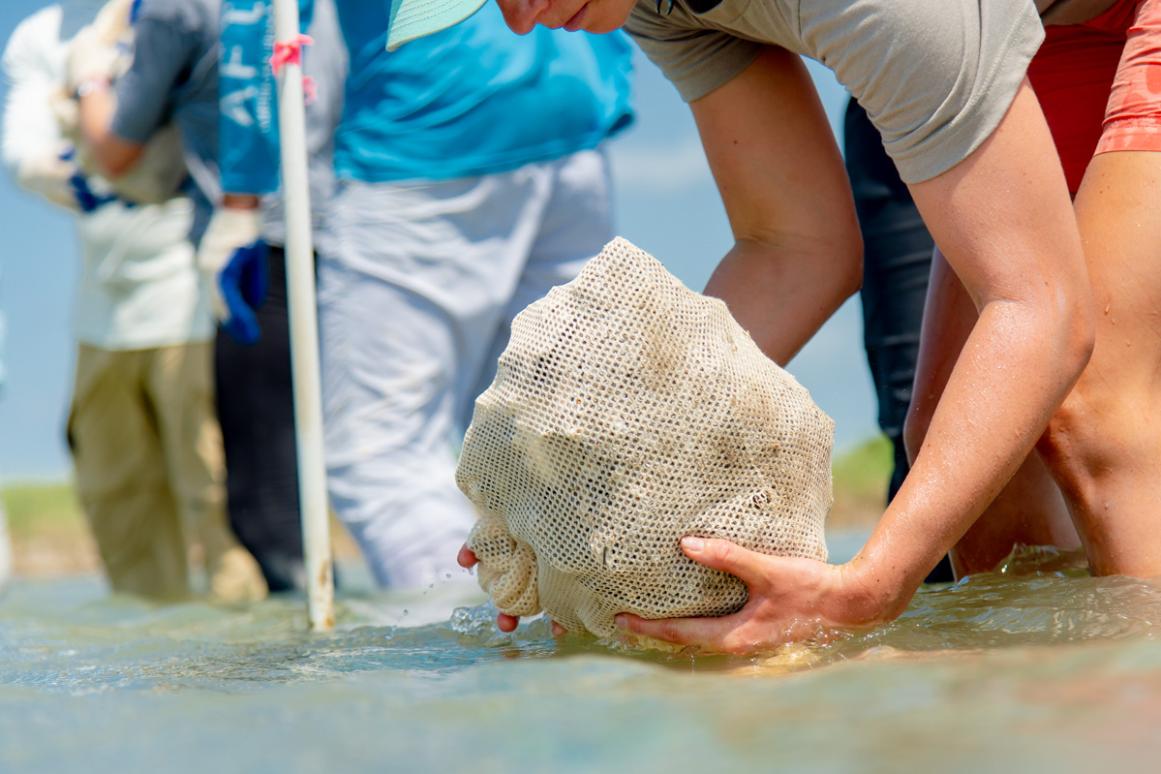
x,y
628,412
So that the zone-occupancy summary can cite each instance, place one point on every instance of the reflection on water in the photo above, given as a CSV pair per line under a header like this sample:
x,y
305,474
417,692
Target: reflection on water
x,y
1035,667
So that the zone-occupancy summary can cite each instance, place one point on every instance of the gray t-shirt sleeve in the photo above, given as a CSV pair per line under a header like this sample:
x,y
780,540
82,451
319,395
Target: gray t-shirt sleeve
x,y
162,53
696,60
935,79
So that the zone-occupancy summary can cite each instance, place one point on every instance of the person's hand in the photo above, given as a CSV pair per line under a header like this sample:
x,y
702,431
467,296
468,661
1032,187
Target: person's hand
x,y
504,622
790,600
233,258
57,178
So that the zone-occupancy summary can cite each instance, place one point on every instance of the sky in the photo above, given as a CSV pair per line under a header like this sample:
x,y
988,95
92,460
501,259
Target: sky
x,y
666,203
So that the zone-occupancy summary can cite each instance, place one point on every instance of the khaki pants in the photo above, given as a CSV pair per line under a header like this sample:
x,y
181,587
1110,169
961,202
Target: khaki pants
x,y
149,470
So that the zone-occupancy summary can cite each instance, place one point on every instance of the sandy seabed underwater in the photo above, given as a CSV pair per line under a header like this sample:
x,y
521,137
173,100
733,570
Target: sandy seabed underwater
x,y
1035,667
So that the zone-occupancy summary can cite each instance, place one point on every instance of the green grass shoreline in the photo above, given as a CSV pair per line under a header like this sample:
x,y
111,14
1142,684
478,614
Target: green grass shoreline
x,y
50,537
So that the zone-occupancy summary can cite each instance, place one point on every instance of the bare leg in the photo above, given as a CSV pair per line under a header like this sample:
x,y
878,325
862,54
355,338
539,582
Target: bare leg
x,y
1030,509
1104,444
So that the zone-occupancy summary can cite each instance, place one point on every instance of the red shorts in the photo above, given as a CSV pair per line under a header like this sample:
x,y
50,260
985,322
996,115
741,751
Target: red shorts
x,y
1100,84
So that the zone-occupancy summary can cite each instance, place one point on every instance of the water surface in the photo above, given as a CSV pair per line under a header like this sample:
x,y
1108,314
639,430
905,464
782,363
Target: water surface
x,y
1037,668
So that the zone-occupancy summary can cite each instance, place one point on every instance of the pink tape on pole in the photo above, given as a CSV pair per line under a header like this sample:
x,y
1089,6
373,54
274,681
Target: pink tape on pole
x,y
289,52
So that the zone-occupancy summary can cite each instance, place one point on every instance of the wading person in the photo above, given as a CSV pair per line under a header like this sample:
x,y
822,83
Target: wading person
x,y
1098,77
145,443
946,89
5,541
174,77
472,178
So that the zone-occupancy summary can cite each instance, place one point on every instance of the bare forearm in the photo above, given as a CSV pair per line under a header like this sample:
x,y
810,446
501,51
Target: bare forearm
x,y
783,293
1004,221
113,155
1016,367
95,116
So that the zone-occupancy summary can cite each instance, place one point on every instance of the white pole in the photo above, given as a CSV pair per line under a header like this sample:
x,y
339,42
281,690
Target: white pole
x,y
304,330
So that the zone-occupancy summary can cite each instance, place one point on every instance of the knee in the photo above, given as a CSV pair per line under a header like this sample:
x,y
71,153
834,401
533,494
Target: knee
x,y
1084,438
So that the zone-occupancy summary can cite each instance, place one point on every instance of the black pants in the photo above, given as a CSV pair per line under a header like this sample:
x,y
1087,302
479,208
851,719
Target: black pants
x,y
256,411
896,266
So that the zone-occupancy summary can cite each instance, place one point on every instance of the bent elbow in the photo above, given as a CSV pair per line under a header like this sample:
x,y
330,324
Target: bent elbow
x,y
111,157
853,277
840,245
1072,320
846,280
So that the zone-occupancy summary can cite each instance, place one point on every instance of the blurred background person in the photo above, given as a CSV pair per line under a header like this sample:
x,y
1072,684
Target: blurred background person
x,y
472,178
5,542
445,231
146,446
174,77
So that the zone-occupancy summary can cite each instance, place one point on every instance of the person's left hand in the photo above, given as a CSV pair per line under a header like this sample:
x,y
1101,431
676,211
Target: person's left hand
x,y
57,178
790,600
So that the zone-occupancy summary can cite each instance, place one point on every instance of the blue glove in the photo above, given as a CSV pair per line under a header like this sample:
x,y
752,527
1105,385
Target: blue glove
x,y
87,201
243,283
232,258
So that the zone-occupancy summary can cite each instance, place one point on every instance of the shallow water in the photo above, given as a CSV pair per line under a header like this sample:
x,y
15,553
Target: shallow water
x,y
1036,668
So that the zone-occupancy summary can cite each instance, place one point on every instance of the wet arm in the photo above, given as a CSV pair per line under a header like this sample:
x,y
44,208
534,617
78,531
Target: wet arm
x,y
1003,219
113,155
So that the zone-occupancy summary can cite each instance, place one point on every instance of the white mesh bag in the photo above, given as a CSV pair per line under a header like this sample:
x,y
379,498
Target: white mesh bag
x,y
628,412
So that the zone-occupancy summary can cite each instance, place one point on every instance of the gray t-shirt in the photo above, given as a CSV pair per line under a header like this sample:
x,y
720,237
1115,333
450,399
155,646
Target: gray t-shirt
x,y
935,76
174,77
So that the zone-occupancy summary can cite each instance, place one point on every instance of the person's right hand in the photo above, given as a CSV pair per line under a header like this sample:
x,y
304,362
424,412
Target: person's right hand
x,y
790,599
506,623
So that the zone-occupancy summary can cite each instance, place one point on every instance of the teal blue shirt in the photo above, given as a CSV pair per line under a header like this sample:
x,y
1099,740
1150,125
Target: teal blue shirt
x,y
474,99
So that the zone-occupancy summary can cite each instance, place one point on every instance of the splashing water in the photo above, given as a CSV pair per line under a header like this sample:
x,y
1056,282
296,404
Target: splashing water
x,y
1035,666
